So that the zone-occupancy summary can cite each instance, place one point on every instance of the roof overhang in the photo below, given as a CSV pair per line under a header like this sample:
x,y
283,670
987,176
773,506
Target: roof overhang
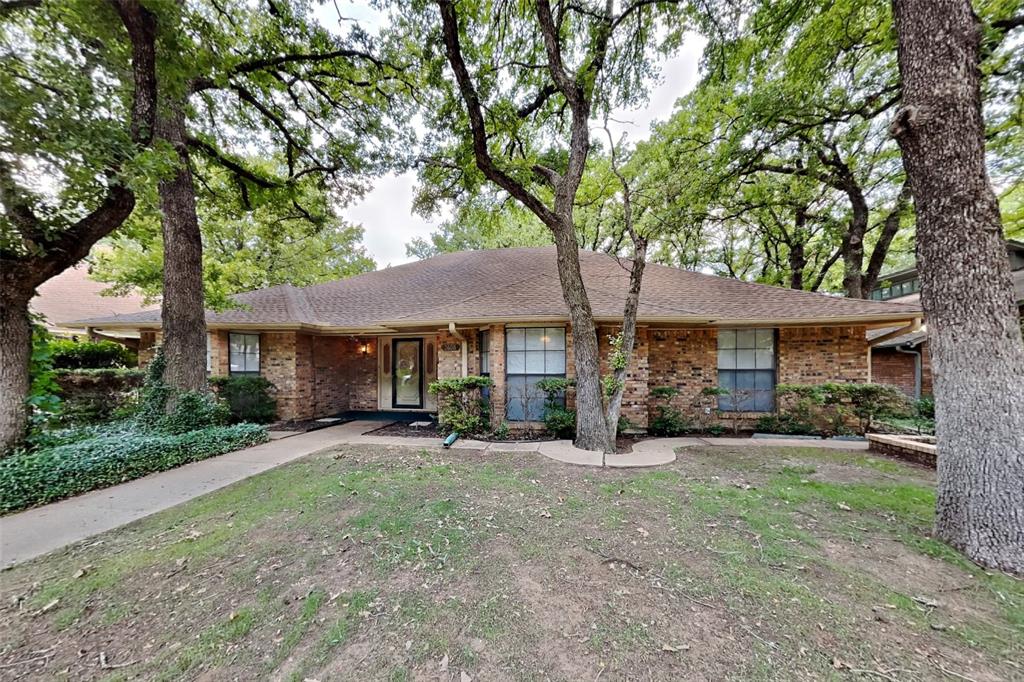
x,y
391,326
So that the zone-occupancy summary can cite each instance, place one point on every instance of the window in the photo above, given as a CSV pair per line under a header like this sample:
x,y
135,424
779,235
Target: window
x,y
244,353
531,354
746,368
911,286
485,354
209,354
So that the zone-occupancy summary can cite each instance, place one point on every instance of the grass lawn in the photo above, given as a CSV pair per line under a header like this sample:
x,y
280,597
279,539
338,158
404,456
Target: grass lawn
x,y
395,564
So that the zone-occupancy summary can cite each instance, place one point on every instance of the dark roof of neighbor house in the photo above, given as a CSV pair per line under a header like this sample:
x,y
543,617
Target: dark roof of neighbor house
x,y
522,284
71,296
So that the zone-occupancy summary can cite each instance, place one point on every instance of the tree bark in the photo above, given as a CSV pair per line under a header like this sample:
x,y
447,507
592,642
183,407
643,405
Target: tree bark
x,y
183,309
577,89
15,352
974,334
853,240
47,256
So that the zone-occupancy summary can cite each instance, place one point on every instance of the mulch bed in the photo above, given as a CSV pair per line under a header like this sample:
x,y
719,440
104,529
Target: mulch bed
x,y
623,444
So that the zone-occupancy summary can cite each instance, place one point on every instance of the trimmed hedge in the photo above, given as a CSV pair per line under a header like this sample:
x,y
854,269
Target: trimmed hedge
x,y
110,456
68,354
250,398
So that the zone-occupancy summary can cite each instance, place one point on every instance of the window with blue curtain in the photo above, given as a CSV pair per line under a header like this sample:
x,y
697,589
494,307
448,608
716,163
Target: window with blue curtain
x,y
746,368
531,354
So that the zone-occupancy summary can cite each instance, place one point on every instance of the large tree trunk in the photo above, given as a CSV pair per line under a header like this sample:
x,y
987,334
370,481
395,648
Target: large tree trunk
x,y
976,347
15,352
853,242
590,426
183,313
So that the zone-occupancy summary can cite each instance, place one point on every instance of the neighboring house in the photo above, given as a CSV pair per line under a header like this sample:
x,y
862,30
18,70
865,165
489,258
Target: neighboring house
x,y
899,357
376,341
71,296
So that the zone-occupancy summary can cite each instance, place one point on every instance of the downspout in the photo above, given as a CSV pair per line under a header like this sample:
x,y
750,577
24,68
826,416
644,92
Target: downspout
x,y
465,347
917,368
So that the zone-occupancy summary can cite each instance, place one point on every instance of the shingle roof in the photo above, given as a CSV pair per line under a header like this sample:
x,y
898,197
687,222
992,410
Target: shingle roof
x,y
522,284
71,295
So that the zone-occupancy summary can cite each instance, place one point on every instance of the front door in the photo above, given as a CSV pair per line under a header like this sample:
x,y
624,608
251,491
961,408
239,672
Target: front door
x,y
407,373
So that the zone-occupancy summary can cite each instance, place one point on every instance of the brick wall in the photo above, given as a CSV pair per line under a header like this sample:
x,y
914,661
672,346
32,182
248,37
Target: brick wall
x,y
635,395
219,353
815,355
889,366
893,368
449,361
359,372
684,359
687,360
496,356
277,364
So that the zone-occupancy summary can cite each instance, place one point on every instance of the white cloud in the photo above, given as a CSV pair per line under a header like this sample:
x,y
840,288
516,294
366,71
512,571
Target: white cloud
x,y
387,219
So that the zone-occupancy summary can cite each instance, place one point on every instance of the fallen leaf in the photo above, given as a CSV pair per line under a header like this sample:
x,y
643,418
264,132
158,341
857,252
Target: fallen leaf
x,y
444,664
844,507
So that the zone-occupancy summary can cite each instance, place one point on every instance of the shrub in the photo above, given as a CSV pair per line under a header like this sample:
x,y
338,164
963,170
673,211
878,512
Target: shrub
x,y
461,407
830,408
44,403
96,458
560,422
924,408
93,395
68,354
249,398
668,421
191,410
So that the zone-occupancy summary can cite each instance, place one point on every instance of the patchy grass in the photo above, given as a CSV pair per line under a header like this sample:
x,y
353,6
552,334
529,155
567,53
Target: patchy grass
x,y
386,563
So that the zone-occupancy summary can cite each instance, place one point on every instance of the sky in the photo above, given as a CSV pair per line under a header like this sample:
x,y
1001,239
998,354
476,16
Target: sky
x,y
386,211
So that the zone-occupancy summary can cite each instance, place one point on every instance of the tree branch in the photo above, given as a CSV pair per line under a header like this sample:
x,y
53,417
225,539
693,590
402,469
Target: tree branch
x,y
450,30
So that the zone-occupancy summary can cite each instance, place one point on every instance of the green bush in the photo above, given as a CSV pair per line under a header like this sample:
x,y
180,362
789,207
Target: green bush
x,y
560,422
95,395
68,354
43,401
461,407
100,457
834,408
668,420
924,408
189,411
249,398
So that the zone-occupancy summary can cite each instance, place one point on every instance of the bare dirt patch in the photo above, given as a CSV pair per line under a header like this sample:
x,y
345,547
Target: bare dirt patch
x,y
397,564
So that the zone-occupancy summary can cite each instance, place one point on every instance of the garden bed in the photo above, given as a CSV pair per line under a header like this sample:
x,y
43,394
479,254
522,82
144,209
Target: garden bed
x,y
918,449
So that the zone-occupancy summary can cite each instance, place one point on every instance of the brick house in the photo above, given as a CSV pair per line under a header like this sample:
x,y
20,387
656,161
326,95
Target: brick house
x,y
899,355
374,342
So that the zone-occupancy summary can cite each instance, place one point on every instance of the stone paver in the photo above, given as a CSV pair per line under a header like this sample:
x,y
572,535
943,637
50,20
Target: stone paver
x,y
37,531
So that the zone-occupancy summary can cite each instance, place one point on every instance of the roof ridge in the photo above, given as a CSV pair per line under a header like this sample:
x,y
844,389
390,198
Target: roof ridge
x,y
297,305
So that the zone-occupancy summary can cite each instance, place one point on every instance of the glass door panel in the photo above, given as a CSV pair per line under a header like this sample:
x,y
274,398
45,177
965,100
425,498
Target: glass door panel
x,y
407,380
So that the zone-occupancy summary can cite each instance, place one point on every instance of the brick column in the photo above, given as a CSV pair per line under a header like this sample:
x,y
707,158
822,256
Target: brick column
x,y
496,354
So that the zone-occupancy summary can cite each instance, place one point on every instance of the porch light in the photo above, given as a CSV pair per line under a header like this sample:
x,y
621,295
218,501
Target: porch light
x,y
364,348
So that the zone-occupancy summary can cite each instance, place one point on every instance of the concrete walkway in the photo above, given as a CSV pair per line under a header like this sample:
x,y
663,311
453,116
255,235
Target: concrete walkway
x,y
37,531
34,532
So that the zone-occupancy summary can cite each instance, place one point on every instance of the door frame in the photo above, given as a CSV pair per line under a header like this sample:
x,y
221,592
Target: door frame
x,y
394,375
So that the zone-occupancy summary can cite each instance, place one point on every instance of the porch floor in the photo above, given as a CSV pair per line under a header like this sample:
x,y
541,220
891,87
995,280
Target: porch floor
x,y
385,416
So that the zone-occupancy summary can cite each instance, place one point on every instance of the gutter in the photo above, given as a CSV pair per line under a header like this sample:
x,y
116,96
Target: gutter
x,y
465,347
914,326
917,368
